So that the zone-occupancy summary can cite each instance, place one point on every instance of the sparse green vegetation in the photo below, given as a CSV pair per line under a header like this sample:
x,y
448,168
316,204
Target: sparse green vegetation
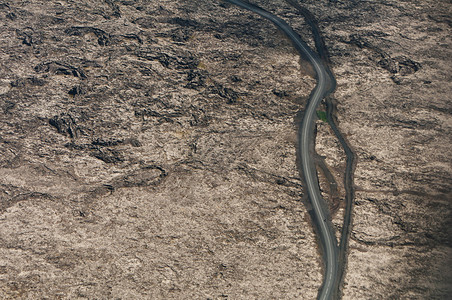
x,y
321,115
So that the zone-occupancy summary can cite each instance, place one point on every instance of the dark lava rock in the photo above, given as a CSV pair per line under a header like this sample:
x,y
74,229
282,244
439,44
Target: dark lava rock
x,y
108,156
77,90
60,68
65,125
103,38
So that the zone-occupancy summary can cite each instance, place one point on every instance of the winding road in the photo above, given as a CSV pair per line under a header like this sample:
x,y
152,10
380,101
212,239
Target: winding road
x,y
325,85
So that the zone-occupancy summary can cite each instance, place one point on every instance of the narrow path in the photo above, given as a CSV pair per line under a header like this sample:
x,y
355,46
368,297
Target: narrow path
x,y
349,191
325,84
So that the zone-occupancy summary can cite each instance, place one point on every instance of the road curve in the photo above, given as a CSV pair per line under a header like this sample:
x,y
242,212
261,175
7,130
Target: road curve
x,y
325,85
349,154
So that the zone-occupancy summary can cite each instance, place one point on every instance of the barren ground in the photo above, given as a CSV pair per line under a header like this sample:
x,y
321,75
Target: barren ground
x,y
147,150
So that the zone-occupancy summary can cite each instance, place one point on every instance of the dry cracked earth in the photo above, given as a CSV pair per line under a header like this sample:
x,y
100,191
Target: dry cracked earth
x,y
147,150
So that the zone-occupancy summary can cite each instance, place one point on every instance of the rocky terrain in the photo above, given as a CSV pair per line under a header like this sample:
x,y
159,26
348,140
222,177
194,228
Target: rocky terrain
x,y
147,150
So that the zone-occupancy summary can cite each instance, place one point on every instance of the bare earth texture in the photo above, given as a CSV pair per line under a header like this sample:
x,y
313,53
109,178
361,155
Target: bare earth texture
x,y
147,150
